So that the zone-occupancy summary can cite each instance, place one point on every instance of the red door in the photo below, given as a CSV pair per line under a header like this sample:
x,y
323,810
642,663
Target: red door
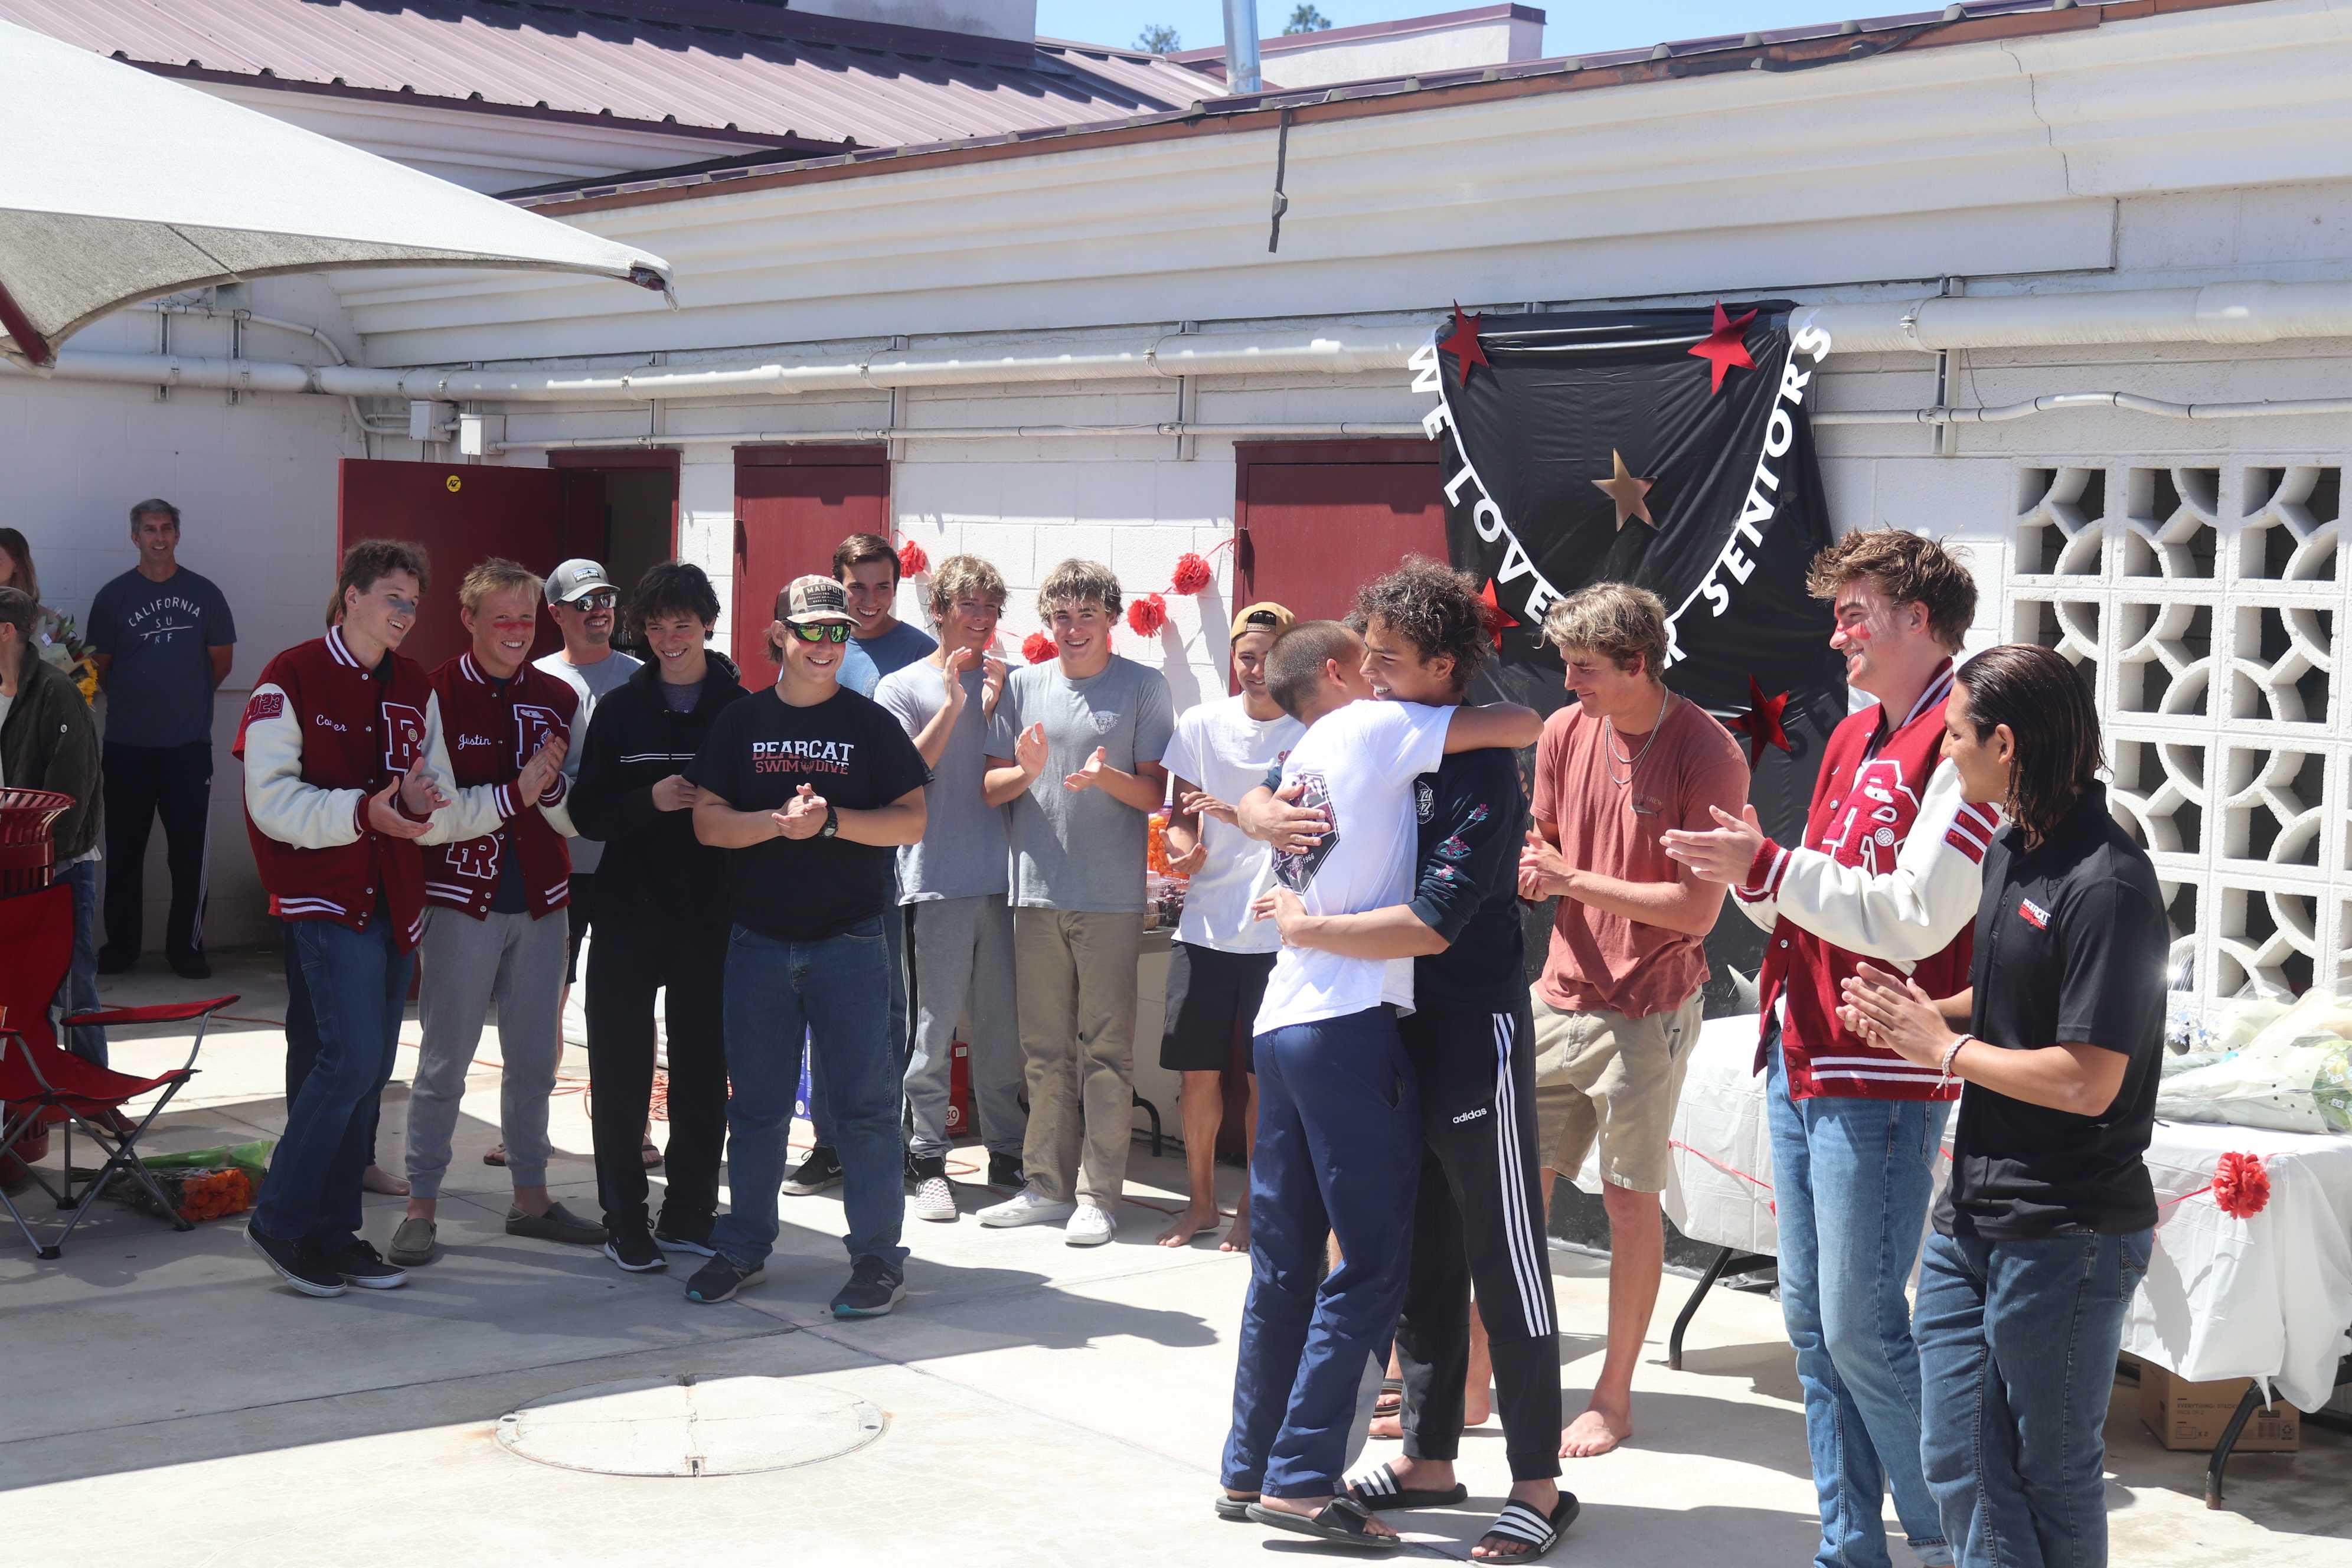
x,y
461,514
793,505
1323,518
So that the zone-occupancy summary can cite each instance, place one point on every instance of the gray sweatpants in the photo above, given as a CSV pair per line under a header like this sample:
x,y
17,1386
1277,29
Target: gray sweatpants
x,y
517,962
963,966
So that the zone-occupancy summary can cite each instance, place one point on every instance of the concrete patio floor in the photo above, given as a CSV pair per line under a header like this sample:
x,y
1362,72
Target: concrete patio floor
x,y
1044,1405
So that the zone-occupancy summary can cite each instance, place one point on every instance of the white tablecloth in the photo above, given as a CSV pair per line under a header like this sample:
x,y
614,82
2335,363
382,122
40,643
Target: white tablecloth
x,y
2269,1297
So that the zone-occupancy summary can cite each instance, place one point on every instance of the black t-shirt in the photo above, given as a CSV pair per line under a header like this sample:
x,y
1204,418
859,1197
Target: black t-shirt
x,y
758,752
1473,814
2069,946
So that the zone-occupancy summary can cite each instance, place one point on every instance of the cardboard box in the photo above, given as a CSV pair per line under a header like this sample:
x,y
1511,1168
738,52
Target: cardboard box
x,y
2186,1414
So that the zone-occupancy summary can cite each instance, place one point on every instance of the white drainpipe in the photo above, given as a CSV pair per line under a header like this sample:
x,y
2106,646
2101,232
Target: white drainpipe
x,y
2230,314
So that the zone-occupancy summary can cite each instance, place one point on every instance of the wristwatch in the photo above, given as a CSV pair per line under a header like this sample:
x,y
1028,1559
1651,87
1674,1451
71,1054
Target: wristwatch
x,y
832,822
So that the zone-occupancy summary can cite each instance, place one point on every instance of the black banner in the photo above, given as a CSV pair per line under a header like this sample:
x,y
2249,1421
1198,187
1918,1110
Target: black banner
x,y
1669,449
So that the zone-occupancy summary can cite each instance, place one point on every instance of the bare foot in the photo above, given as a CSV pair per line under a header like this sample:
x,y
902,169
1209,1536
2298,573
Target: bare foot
x,y
1308,1507
1540,1496
1188,1225
1595,1432
1236,1234
376,1179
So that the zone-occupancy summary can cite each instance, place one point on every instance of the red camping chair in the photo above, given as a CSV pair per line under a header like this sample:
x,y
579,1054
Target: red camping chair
x,y
41,1083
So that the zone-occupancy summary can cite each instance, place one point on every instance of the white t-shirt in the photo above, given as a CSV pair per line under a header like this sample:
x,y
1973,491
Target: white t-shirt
x,y
589,682
1219,747
1358,764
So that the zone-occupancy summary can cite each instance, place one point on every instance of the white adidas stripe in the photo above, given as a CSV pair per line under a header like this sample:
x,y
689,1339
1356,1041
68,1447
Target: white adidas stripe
x,y
1519,1232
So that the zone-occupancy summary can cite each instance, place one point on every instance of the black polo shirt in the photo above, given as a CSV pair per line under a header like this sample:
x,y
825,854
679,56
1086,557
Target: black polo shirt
x,y
2070,942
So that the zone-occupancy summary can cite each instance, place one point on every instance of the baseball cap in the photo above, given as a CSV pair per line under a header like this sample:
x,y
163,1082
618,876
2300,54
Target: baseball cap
x,y
574,578
808,601
1265,615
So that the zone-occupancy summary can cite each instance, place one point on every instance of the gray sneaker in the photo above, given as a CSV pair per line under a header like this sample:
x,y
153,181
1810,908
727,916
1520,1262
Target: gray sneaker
x,y
412,1244
556,1225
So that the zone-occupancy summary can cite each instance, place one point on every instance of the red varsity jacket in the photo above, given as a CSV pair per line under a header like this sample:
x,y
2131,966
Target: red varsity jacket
x,y
1891,869
492,733
321,734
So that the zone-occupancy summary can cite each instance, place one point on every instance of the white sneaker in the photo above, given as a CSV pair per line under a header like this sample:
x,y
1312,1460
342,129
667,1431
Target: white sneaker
x,y
934,1199
1090,1226
1025,1207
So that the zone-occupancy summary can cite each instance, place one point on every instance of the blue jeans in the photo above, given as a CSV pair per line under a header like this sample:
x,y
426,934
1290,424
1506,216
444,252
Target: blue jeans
x,y
2018,1341
1338,1153
302,1033
1850,1183
777,994
894,936
358,985
79,993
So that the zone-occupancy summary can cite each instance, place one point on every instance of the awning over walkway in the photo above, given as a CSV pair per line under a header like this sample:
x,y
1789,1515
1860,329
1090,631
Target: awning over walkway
x,y
117,186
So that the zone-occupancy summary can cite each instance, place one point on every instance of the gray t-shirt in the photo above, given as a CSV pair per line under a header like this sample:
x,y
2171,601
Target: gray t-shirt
x,y
962,854
590,681
1080,849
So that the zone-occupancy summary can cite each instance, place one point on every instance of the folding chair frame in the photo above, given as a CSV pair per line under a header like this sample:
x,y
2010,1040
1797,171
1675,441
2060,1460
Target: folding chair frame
x,y
121,1153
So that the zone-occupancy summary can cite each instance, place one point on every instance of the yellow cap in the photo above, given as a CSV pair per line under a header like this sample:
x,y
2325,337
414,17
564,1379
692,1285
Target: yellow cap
x,y
1265,615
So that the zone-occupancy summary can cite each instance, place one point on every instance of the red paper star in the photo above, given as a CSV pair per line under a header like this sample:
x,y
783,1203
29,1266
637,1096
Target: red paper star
x,y
1462,343
1761,723
1498,619
1726,346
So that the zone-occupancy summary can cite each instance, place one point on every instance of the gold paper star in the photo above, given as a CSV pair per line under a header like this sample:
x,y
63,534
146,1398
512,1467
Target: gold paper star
x,y
1627,493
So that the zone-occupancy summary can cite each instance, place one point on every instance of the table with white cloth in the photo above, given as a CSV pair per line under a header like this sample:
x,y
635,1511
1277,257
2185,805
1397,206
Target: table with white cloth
x,y
2267,1296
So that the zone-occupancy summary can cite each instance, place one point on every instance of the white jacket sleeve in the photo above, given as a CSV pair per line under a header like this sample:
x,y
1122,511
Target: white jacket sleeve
x,y
280,804
556,804
470,812
1904,915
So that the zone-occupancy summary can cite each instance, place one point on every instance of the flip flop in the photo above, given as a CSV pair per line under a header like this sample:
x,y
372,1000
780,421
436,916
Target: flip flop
x,y
495,1155
1343,1521
1381,1490
1521,1523
1234,1509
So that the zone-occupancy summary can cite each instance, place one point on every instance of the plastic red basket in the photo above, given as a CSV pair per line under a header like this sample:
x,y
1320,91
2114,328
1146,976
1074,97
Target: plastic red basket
x,y
27,848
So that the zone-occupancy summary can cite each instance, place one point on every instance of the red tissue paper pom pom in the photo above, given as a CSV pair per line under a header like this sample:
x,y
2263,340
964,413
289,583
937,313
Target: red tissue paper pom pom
x,y
1036,647
912,561
1192,574
1147,614
2241,1188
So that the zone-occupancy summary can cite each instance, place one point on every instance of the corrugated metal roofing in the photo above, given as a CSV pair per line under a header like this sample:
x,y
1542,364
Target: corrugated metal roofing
x,y
701,66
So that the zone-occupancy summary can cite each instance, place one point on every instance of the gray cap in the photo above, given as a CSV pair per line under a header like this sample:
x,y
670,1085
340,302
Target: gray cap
x,y
576,577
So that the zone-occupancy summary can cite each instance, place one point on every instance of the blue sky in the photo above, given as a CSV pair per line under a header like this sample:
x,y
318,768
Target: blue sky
x,y
1572,26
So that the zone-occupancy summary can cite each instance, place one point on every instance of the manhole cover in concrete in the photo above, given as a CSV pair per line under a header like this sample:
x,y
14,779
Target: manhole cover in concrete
x,y
691,1425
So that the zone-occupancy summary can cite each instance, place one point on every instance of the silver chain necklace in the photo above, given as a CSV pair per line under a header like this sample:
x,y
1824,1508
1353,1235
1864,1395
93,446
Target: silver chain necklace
x,y
1631,765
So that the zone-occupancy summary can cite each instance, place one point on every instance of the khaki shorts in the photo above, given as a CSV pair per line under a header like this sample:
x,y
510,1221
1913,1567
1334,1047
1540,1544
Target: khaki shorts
x,y
1605,1075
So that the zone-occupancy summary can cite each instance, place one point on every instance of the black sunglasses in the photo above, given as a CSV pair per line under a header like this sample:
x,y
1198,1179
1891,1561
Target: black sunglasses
x,y
825,631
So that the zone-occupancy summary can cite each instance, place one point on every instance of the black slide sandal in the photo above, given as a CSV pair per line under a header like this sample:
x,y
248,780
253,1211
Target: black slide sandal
x,y
1381,1490
1344,1521
1523,1524
1391,1399
1234,1509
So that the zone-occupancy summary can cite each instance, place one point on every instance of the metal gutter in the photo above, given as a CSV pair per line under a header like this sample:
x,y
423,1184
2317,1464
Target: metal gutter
x,y
1177,427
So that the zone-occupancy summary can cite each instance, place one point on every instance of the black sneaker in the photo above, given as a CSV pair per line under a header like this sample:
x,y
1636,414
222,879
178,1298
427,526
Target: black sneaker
x,y
632,1246
719,1278
1004,1173
362,1265
298,1264
114,960
921,1168
678,1236
873,1290
821,1170
192,966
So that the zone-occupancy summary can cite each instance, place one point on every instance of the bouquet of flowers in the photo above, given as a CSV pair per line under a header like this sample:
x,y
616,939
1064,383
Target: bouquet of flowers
x,y
209,1184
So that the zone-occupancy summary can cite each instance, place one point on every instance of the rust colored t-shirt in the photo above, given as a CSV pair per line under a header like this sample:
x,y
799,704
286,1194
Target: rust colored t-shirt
x,y
1601,961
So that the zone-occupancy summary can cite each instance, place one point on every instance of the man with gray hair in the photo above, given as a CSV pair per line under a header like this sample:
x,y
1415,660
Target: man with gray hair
x,y
163,640
1617,1010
